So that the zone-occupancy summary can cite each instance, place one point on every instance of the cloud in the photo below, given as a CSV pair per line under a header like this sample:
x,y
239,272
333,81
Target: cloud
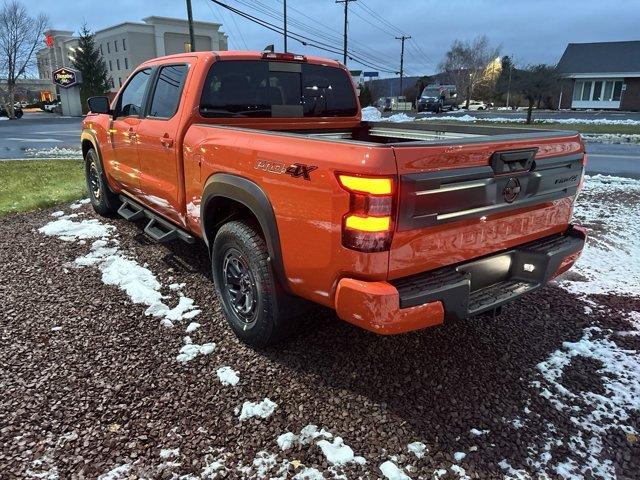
x,y
530,31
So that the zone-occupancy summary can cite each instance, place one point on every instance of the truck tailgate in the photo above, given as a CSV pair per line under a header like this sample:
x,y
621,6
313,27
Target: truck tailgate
x,y
479,196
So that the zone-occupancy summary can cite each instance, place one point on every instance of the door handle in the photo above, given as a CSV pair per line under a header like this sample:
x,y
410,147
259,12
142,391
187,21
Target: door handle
x,y
166,141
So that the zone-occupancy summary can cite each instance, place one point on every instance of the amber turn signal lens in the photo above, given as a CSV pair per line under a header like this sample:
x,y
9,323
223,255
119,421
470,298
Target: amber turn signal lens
x,y
368,224
372,186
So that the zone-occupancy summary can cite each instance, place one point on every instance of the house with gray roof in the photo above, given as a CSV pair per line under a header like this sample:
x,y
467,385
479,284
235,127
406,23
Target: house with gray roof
x,y
603,75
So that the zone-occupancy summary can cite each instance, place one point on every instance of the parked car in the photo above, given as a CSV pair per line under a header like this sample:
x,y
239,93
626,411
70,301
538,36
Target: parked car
x,y
17,111
438,98
474,105
264,158
50,107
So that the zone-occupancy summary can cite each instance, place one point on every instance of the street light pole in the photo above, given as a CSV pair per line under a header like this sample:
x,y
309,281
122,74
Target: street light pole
x,y
402,39
192,38
346,12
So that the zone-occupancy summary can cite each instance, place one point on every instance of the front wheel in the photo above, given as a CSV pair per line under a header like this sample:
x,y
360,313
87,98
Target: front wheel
x,y
245,284
103,200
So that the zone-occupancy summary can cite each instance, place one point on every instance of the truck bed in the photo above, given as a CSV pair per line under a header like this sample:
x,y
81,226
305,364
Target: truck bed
x,y
416,133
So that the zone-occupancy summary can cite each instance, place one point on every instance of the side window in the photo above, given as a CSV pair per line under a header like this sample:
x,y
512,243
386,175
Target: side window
x,y
130,101
166,96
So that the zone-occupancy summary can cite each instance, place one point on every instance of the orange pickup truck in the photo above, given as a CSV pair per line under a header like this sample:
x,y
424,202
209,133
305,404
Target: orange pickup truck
x,y
265,158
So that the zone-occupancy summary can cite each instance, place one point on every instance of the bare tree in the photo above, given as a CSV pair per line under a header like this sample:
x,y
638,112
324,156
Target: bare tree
x,y
536,83
20,34
466,62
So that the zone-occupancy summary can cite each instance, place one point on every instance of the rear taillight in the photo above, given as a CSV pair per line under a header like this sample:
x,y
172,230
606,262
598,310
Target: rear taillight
x,y
368,226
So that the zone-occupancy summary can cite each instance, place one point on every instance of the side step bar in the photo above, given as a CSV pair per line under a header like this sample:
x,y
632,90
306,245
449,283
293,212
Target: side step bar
x,y
158,228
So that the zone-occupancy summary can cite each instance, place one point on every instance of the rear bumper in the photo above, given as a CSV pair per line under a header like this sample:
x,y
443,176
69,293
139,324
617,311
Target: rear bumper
x,y
426,299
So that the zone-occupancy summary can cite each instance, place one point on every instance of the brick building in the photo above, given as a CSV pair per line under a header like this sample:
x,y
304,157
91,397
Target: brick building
x,y
603,75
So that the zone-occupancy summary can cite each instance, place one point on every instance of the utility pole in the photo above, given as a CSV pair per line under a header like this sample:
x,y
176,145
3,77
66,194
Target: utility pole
x,y
509,85
285,26
346,12
402,39
192,38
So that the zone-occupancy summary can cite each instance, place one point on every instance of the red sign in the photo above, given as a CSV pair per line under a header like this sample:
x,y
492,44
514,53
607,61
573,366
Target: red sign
x,y
49,40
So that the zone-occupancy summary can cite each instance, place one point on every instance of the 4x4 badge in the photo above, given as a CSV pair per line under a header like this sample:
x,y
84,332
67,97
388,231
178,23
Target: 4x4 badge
x,y
299,170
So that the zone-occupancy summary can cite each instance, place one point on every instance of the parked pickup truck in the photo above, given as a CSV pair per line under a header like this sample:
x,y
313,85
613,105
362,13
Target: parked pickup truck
x,y
264,158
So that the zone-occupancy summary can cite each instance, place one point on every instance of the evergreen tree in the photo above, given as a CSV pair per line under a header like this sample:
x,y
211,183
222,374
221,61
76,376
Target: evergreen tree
x,y
89,62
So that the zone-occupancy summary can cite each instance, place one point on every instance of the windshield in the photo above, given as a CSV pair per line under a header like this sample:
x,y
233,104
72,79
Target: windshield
x,y
431,93
259,88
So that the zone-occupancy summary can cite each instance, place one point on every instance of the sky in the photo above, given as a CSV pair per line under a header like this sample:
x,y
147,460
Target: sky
x,y
531,31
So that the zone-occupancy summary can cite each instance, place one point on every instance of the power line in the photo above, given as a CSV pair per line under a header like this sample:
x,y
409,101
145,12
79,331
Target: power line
x,y
268,11
221,16
380,18
304,40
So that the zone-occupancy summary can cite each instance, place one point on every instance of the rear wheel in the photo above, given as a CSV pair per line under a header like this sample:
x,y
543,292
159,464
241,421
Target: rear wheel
x,y
103,200
245,284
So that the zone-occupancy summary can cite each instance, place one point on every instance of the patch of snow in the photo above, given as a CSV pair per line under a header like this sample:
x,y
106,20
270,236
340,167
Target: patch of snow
x,y
54,152
192,327
59,213
286,440
398,118
371,114
439,473
565,121
459,456
610,262
167,453
262,409
56,329
227,376
593,413
189,351
43,468
512,473
336,452
263,462
79,203
477,433
118,473
611,137
176,286
461,472
392,472
309,474
69,230
417,448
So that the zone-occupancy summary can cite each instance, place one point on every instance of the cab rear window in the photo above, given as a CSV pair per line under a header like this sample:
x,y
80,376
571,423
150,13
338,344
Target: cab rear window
x,y
259,88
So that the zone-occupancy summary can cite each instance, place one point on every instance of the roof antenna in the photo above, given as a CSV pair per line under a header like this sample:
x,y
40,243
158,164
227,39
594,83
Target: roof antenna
x,y
269,48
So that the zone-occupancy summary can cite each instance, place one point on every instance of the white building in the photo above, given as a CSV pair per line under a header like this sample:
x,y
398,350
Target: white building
x,y
127,45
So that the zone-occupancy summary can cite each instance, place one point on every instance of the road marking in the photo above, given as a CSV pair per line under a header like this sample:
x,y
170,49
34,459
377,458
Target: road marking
x,y
612,155
57,132
50,140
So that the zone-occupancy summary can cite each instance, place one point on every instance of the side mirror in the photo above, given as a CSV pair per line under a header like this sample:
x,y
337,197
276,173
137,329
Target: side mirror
x,y
99,105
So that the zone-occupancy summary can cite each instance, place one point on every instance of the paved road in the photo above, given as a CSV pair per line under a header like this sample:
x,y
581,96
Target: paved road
x,y
621,160
44,130
37,130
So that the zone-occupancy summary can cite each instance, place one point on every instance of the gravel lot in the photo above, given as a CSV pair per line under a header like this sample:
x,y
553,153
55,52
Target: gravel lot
x,y
91,384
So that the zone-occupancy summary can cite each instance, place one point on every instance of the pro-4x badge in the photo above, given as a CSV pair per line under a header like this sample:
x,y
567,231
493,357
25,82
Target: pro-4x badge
x,y
296,170
300,170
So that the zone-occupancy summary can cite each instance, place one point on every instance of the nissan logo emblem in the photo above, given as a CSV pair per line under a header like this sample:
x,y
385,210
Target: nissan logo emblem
x,y
511,190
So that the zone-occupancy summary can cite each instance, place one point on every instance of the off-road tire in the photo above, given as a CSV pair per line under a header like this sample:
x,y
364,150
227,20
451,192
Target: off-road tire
x,y
241,240
104,201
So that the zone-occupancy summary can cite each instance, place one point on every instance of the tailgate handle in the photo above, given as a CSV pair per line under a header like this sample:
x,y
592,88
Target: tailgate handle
x,y
513,161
